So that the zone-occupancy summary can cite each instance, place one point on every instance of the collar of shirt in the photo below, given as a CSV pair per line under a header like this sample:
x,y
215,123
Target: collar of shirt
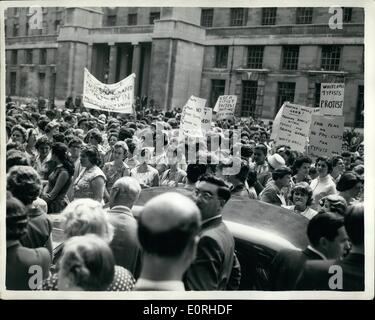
x,y
317,252
121,209
168,285
210,219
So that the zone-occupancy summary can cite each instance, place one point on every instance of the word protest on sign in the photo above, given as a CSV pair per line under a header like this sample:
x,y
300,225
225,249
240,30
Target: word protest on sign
x,y
116,97
294,126
332,99
191,117
225,106
326,135
206,119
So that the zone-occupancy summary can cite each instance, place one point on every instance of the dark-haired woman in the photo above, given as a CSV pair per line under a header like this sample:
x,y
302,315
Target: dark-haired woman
x,y
59,181
90,183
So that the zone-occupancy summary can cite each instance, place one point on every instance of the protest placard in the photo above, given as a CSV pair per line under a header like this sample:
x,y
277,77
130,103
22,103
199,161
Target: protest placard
x,y
225,106
332,99
206,119
326,135
191,117
294,126
116,97
276,124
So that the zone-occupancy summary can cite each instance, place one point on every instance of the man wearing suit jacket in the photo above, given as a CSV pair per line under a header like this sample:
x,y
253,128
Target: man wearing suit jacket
x,y
216,266
272,192
345,274
168,230
125,246
328,240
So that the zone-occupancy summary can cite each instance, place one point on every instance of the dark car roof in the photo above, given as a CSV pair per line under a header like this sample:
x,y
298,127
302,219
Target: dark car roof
x,y
256,214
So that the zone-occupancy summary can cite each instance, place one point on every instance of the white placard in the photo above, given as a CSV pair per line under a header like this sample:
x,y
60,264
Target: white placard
x,y
225,106
332,99
191,117
206,119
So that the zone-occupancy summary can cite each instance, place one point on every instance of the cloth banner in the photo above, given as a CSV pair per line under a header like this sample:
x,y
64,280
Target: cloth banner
x,y
225,106
294,126
332,99
326,136
116,97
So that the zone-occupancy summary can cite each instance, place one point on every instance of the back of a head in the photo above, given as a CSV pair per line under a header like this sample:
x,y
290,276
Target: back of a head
x,y
194,171
16,218
281,172
87,263
167,225
324,225
129,189
355,223
84,216
24,183
16,158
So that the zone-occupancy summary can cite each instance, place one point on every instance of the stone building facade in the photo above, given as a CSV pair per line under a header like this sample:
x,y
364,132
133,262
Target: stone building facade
x,y
263,55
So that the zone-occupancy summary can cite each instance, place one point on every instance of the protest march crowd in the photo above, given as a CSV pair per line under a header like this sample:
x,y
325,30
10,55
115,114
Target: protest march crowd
x,y
90,167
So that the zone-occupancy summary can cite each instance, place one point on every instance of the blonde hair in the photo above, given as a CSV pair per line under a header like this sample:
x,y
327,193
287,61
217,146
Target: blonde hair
x,y
84,216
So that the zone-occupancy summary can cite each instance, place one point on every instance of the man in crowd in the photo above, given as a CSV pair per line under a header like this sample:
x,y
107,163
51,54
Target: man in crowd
x,y
168,230
216,266
125,246
345,274
328,240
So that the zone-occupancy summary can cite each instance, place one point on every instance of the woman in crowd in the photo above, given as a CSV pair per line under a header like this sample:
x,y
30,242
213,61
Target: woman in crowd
x,y
112,139
87,264
323,184
82,217
301,169
90,183
350,187
59,181
338,168
43,158
19,134
301,197
24,183
20,259
117,168
333,203
146,175
30,144
94,138
131,160
174,175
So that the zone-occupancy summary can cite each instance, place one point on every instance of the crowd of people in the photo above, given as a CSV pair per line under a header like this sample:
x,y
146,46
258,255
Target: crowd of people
x,y
90,167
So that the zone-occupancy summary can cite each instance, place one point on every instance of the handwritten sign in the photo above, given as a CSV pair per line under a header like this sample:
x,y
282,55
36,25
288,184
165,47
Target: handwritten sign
x,y
116,97
294,126
206,119
191,117
332,98
225,106
326,135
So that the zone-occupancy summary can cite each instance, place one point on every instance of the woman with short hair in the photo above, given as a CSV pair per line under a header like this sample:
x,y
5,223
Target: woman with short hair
x,y
301,197
19,134
90,183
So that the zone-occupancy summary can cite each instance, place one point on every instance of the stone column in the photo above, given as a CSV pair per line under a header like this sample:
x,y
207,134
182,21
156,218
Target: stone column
x,y
112,63
136,65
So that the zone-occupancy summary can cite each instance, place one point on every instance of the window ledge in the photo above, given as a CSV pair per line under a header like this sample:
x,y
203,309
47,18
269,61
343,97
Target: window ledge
x,y
252,70
326,71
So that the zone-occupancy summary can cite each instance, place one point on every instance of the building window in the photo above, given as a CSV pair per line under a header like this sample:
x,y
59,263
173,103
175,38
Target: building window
x,y
132,19
285,93
45,28
317,95
360,107
14,57
217,89
331,58
16,12
29,56
221,59
57,26
290,57
255,57
43,56
111,20
42,78
27,29
269,16
16,30
347,15
13,83
237,16
304,15
249,98
207,17
154,16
